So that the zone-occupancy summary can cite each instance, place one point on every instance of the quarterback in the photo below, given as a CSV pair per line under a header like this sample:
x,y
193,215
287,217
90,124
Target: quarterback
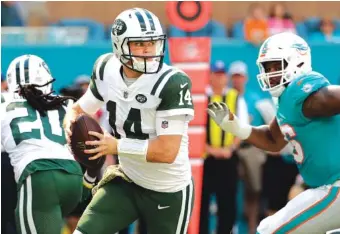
x,y
49,180
150,106
308,119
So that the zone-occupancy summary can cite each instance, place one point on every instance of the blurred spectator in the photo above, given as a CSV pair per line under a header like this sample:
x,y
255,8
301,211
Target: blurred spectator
x,y
26,8
256,25
220,175
213,29
297,188
251,158
279,20
10,16
37,16
238,73
327,32
83,82
72,90
4,86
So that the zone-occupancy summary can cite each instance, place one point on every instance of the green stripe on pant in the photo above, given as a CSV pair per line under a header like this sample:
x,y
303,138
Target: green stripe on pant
x,y
44,198
188,209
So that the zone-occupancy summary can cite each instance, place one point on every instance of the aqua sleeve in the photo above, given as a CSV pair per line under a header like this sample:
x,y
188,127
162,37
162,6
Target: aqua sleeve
x,y
300,89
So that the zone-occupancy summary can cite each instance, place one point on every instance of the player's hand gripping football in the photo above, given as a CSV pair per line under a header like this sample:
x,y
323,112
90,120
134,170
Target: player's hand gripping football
x,y
221,114
106,145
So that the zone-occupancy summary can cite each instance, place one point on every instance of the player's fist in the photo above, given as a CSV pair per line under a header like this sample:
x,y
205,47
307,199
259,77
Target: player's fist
x,y
219,111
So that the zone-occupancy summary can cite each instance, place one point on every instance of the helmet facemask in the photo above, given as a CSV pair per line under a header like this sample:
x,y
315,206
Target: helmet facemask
x,y
147,64
273,81
283,57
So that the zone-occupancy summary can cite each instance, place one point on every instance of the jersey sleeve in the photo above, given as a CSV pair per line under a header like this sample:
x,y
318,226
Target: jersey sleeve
x,y
97,83
176,97
307,85
89,103
300,90
265,110
93,99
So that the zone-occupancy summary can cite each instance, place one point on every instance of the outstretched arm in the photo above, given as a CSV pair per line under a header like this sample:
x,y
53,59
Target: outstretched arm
x,y
266,137
323,103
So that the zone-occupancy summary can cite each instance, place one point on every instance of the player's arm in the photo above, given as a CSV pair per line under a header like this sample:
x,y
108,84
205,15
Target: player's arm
x,y
87,104
172,117
92,100
265,137
164,148
323,103
175,112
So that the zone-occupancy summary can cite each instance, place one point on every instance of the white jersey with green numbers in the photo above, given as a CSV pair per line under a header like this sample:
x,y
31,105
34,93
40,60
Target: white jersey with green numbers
x,y
26,136
132,114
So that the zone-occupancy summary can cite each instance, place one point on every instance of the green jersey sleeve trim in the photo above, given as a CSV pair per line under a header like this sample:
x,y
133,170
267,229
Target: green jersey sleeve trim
x,y
99,66
98,74
176,96
94,90
159,81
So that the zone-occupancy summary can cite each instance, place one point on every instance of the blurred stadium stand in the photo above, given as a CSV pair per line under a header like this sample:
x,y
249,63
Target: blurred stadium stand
x,y
81,58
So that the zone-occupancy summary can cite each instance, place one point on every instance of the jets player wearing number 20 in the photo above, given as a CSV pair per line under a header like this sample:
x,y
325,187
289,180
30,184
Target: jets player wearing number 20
x,y
49,180
308,119
150,106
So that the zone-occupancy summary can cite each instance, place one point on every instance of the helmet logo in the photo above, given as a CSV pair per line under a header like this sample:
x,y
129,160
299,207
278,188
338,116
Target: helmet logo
x,y
44,65
300,48
264,49
119,27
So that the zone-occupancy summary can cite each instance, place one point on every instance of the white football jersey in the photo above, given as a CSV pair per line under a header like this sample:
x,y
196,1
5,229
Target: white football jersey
x,y
132,114
26,136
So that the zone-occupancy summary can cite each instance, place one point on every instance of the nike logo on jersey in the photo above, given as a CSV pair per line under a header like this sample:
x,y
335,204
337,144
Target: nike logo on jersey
x,y
183,85
162,207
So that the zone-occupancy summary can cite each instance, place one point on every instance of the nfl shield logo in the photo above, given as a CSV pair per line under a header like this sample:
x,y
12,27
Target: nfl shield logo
x,y
164,124
125,94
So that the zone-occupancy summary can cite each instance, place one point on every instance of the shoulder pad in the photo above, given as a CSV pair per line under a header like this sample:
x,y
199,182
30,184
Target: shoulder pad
x,y
99,66
171,80
302,87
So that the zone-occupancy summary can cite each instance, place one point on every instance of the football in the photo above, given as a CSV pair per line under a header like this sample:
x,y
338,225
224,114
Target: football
x,y
80,135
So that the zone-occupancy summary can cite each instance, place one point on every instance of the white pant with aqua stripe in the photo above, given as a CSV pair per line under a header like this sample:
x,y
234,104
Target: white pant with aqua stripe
x,y
313,211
